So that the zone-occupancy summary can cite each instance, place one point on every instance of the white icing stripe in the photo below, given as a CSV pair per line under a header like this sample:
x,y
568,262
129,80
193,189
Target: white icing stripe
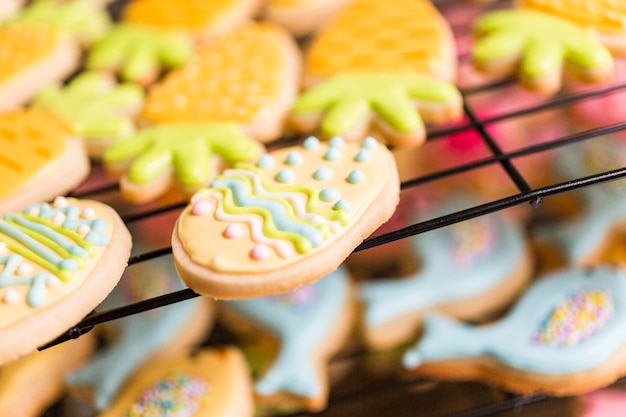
x,y
283,248
296,201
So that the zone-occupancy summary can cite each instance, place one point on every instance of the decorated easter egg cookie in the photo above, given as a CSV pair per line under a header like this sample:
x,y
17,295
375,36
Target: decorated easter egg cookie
x,y
288,220
57,262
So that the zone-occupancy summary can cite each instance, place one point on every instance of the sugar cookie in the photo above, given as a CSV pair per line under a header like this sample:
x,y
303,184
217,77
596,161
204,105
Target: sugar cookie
x,y
34,382
197,18
159,158
467,270
366,70
287,221
9,8
606,19
301,17
566,336
34,169
211,382
540,47
98,110
249,77
310,324
59,261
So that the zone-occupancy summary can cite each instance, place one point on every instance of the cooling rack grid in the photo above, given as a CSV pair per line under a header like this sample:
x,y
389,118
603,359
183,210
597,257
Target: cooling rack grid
x,y
369,384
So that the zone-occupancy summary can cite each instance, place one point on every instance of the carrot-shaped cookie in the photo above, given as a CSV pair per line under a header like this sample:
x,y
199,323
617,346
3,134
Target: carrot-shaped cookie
x,y
41,45
605,19
565,336
199,19
249,77
96,109
210,382
377,63
288,220
58,262
40,158
540,47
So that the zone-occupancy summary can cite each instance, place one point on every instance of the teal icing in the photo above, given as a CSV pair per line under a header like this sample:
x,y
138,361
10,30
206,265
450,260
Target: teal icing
x,y
440,279
332,154
323,174
294,158
337,142
37,293
510,340
311,143
140,336
369,143
356,177
96,235
38,248
265,161
44,230
330,194
603,205
300,329
363,155
342,205
281,219
285,176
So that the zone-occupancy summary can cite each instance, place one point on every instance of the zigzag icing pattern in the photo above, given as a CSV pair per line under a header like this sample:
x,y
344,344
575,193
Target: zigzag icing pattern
x,y
57,239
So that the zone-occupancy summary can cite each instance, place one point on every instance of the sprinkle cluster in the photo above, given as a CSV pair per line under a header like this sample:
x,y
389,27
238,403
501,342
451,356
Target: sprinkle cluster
x,y
471,241
576,318
300,297
175,395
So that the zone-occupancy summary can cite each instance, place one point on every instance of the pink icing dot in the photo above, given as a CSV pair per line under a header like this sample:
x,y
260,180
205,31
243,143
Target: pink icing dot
x,y
232,231
259,252
201,207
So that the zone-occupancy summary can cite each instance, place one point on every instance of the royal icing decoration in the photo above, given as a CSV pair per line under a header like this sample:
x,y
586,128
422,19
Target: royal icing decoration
x,y
46,240
175,395
570,321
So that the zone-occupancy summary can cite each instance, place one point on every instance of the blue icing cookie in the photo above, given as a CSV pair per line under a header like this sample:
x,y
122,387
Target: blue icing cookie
x,y
571,321
457,262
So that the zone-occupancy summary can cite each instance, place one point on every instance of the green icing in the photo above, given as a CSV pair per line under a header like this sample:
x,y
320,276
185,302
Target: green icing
x,y
26,253
346,99
186,147
542,40
76,18
92,106
139,51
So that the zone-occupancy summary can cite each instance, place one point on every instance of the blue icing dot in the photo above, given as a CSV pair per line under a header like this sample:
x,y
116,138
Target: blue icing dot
x,y
342,205
356,177
337,142
329,194
311,143
265,161
369,143
294,158
323,174
363,155
285,176
332,154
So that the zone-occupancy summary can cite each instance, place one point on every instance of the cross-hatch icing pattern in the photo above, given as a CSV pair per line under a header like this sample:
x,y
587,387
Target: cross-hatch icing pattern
x,y
57,239
372,36
175,395
29,139
604,14
576,318
22,46
230,80
178,15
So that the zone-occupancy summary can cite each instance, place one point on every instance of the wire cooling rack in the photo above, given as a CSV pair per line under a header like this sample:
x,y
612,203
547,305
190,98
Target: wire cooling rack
x,y
371,384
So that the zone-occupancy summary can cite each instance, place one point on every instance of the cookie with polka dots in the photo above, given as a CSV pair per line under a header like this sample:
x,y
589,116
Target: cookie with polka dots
x,y
58,261
285,221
